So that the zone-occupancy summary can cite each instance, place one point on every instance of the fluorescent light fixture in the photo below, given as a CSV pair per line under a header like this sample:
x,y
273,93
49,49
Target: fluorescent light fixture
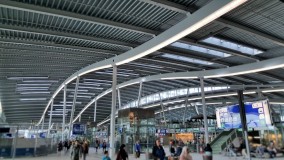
x,y
71,102
202,22
95,69
33,84
40,81
168,78
251,92
221,95
32,99
19,78
84,93
89,87
35,93
60,109
246,72
57,114
80,96
273,90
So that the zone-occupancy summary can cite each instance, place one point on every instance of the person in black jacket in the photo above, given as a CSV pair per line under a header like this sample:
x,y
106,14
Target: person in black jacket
x,y
158,151
122,154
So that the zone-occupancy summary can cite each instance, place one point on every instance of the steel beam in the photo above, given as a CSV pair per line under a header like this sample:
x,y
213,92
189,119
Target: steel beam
x,y
73,106
204,109
139,94
50,117
64,111
113,111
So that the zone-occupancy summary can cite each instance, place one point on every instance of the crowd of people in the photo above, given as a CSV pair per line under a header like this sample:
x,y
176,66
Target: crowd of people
x,y
258,151
78,148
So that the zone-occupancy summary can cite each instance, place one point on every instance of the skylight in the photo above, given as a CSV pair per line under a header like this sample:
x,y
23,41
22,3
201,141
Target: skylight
x,y
233,46
186,59
200,49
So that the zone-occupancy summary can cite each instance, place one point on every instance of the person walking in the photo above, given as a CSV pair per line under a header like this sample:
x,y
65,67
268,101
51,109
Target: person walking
x,y
106,157
97,144
104,145
76,151
59,148
185,154
85,149
122,154
158,151
137,149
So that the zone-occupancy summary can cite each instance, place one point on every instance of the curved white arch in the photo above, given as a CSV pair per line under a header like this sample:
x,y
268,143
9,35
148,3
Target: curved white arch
x,y
198,19
224,72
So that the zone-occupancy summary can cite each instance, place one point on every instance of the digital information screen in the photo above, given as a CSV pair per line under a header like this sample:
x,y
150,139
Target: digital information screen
x,y
79,129
257,115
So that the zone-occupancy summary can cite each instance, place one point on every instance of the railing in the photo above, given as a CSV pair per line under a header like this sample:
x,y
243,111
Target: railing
x,y
219,135
231,137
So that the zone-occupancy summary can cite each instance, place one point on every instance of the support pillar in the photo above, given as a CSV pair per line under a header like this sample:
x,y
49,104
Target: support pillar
x,y
163,111
243,120
139,94
73,107
185,107
50,117
119,99
204,110
64,111
42,124
113,110
95,111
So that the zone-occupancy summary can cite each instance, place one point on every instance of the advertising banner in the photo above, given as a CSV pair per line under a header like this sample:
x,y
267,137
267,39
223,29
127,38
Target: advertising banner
x,y
257,115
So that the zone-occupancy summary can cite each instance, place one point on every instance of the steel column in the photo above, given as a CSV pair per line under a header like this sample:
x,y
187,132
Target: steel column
x,y
95,112
139,94
204,110
50,117
113,110
163,111
64,111
119,98
42,124
185,107
73,107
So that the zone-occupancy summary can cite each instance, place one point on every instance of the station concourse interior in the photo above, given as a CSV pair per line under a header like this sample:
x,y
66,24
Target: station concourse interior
x,y
187,72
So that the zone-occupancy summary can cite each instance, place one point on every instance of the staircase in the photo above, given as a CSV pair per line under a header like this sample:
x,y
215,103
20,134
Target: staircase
x,y
220,142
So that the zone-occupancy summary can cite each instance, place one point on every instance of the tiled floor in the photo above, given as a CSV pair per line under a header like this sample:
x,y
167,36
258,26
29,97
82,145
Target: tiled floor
x,y
98,156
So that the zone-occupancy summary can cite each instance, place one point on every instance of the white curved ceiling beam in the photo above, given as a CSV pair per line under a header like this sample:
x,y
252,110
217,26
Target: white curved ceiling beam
x,y
198,19
265,65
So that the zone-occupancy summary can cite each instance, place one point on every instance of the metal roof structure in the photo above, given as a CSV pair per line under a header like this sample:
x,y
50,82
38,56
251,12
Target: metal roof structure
x,y
43,42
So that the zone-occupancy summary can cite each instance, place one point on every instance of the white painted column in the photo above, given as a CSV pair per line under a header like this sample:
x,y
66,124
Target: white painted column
x,y
73,107
50,117
95,111
139,94
204,110
113,110
63,115
119,98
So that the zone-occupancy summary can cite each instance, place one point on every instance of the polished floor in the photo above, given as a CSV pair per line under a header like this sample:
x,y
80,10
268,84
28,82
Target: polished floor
x,y
97,156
